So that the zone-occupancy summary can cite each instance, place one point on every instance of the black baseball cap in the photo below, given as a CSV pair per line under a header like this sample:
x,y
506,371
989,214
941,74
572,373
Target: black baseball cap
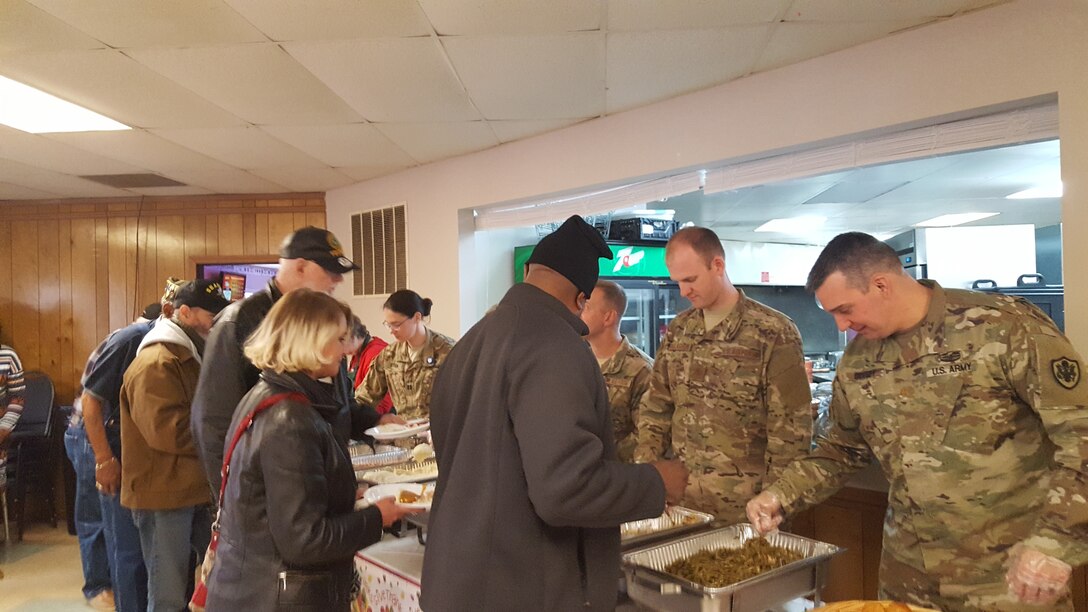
x,y
201,293
319,246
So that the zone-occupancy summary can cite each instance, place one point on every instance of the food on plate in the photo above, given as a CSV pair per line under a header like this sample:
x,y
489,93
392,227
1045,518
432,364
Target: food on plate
x,y
411,497
725,566
389,428
422,452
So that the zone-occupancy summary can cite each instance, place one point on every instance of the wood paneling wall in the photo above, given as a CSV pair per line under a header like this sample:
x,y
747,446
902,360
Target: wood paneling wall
x,y
71,271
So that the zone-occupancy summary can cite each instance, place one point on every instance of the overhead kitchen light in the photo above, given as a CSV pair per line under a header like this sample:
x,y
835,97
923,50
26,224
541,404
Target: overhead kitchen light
x,y
1053,190
956,219
792,225
31,110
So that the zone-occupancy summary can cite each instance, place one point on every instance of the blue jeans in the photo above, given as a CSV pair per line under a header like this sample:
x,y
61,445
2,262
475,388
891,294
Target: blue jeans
x,y
173,541
88,514
123,543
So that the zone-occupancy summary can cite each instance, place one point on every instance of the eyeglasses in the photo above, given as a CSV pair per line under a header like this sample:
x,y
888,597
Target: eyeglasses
x,y
394,326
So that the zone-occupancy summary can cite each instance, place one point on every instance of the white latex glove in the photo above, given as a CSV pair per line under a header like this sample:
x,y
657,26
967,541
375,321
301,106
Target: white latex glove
x,y
765,512
1035,577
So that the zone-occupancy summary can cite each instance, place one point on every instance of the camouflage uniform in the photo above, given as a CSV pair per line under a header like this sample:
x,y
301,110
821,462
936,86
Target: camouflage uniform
x,y
734,401
977,418
627,376
408,381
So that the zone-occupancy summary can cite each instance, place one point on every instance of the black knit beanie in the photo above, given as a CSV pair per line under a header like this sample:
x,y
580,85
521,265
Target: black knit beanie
x,y
573,251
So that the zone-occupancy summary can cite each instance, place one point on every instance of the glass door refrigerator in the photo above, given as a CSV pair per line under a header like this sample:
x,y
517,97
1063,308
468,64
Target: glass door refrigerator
x,y
652,299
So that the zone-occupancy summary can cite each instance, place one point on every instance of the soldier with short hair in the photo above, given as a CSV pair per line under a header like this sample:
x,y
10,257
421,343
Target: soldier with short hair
x,y
973,405
729,394
625,368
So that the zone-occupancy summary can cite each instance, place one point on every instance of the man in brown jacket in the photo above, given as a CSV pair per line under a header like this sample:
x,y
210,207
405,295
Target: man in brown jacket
x,y
163,482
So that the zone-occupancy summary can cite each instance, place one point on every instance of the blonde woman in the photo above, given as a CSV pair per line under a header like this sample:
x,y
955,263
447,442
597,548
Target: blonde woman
x,y
287,527
406,368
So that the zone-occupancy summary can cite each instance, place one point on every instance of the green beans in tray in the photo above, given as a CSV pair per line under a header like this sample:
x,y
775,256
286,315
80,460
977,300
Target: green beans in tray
x,y
725,566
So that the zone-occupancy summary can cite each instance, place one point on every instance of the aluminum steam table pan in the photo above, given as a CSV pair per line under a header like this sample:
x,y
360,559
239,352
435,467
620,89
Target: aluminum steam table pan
x,y
649,585
674,522
364,458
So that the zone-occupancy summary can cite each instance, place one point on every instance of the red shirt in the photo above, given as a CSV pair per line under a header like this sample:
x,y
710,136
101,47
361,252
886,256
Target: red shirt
x,y
360,364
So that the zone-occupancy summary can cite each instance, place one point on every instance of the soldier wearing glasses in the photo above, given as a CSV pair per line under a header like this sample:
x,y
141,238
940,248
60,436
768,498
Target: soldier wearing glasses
x,y
406,369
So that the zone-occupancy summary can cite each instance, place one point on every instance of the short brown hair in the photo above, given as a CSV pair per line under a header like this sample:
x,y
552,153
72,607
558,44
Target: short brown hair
x,y
702,240
858,256
291,338
612,293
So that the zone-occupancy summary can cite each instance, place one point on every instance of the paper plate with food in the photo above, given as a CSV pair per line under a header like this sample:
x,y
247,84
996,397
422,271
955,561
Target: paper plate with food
x,y
408,495
395,431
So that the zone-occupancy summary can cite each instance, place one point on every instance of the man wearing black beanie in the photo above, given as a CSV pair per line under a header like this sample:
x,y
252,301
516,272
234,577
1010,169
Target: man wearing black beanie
x,y
530,494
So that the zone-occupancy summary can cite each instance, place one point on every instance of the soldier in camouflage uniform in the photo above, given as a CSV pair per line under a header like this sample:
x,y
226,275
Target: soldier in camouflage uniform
x,y
728,394
974,407
626,369
406,369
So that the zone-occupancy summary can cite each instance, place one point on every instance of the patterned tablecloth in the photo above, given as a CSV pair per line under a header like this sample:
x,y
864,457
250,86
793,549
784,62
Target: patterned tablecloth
x,y
391,571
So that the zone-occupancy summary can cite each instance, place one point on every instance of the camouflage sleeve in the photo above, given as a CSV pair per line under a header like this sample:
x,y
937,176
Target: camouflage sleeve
x,y
374,386
654,420
788,403
640,383
1047,373
838,455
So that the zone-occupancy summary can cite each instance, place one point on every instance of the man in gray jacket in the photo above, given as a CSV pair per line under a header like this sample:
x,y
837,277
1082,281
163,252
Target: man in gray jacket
x,y
530,494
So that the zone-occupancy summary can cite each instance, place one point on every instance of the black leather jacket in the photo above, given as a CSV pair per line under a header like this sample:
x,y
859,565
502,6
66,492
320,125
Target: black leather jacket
x,y
226,376
288,506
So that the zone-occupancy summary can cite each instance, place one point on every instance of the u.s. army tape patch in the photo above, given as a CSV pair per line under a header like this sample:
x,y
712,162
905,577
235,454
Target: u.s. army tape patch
x,y
1066,372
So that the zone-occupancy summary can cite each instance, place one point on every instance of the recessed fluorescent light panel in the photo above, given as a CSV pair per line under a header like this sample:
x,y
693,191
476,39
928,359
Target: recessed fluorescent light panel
x,y
1043,191
793,225
30,110
956,219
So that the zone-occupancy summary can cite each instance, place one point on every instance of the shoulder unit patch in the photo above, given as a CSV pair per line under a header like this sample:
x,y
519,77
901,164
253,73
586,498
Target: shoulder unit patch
x,y
1066,372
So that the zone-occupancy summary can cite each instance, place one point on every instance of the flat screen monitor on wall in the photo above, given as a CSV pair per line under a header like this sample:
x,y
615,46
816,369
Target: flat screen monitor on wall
x,y
238,280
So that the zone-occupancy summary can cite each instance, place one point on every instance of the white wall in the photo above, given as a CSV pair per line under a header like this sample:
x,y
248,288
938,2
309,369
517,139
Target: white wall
x,y
985,60
749,263
958,256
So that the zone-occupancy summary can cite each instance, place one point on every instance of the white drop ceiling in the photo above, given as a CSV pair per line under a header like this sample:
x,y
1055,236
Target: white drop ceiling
x,y
268,96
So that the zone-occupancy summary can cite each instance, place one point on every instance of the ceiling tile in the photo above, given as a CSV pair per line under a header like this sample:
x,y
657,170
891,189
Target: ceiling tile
x,y
26,28
391,80
139,147
365,173
10,191
533,77
795,42
355,144
64,185
132,23
880,10
171,191
472,17
681,60
260,83
427,142
852,192
240,147
509,131
39,151
284,20
228,180
298,178
118,87
690,14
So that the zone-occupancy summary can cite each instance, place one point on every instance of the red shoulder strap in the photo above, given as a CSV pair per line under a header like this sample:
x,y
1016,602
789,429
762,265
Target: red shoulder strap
x,y
265,404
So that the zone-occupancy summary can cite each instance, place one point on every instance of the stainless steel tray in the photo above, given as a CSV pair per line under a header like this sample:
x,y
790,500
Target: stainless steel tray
x,y
412,471
649,585
675,521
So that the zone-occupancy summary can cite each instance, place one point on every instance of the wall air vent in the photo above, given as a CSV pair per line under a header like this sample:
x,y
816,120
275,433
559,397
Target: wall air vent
x,y
132,181
379,247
